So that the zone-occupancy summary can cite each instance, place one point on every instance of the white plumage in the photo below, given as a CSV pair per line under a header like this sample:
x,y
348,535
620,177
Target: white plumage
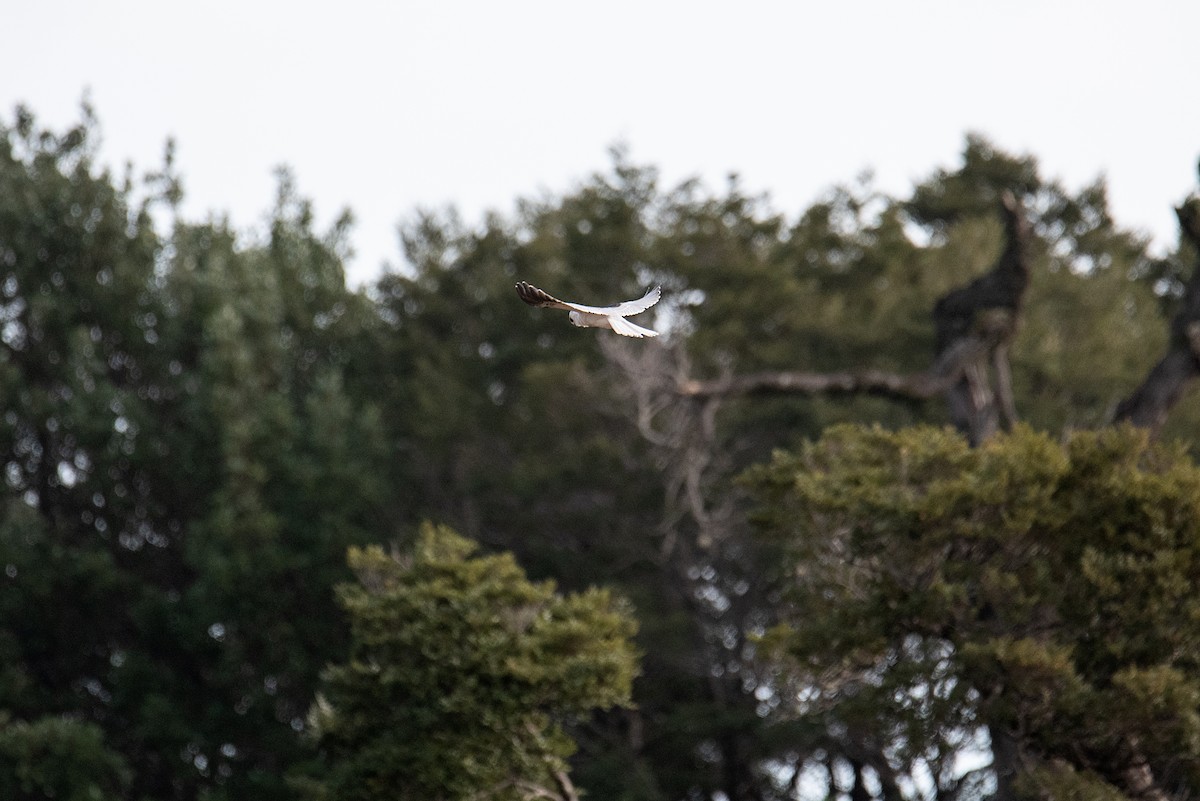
x,y
611,317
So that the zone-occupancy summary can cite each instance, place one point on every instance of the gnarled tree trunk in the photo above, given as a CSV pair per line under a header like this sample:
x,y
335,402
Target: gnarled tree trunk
x,y
1164,385
975,324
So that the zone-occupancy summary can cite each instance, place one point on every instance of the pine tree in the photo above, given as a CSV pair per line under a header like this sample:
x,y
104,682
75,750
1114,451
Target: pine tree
x,y
1024,599
461,674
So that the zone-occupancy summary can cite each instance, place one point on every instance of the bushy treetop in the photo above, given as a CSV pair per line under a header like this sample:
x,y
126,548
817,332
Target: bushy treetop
x,y
461,674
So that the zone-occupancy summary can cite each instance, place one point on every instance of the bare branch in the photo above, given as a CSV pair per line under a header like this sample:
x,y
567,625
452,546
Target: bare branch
x,y
681,435
974,325
1004,393
1138,778
566,789
1149,404
900,386
988,307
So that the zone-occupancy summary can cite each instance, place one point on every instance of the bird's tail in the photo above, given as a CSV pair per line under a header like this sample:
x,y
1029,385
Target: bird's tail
x,y
628,329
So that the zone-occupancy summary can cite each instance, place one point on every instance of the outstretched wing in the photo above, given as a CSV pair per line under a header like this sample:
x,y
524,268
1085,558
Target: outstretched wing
x,y
628,329
536,297
627,308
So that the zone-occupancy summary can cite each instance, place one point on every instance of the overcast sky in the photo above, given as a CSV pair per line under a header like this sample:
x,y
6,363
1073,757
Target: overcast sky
x,y
389,106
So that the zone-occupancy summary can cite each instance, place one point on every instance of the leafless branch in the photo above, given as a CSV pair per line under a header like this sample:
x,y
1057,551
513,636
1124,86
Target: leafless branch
x,y
946,371
1149,404
974,324
681,432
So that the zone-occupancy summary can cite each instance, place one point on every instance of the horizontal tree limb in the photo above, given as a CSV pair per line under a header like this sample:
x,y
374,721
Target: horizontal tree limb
x,y
871,382
973,324
921,385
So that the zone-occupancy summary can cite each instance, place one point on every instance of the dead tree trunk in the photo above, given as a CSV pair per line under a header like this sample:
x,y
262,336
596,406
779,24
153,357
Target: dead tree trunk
x,y
986,312
975,324
1164,385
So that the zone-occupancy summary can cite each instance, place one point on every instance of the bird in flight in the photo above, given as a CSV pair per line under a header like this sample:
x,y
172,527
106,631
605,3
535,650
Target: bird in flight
x,y
596,316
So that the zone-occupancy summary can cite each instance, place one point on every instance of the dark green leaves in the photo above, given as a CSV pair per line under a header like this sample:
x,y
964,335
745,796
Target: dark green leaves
x,y
1052,584
460,674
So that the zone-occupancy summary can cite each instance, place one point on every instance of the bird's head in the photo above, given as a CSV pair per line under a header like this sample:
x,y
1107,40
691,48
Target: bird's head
x,y
576,319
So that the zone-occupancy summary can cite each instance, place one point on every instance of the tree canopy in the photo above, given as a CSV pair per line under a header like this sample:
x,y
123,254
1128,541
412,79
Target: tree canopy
x,y
197,426
461,672
1033,596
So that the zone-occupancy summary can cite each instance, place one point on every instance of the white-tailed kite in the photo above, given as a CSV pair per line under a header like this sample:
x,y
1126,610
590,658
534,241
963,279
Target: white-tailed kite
x,y
596,316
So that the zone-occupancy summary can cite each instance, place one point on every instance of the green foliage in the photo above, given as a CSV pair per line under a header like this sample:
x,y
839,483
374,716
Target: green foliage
x,y
195,425
1032,589
506,423
184,468
1058,781
461,672
60,759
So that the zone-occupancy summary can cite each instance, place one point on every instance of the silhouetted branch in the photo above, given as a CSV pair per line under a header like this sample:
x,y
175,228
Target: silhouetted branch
x,y
1166,382
681,435
974,325
900,386
989,309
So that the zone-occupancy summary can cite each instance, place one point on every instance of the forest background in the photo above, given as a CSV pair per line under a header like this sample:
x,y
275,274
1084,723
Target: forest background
x,y
200,430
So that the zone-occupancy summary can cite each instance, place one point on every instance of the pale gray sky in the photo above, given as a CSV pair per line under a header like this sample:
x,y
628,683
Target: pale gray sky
x,y
387,106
